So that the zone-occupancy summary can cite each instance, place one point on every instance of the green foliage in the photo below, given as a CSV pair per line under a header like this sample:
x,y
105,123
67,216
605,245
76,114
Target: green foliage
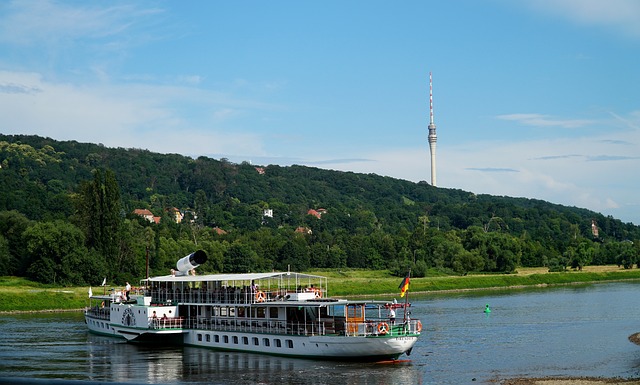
x,y
558,264
98,210
240,258
7,261
58,253
371,222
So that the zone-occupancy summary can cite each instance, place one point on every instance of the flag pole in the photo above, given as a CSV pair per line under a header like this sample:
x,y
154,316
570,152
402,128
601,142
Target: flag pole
x,y
406,300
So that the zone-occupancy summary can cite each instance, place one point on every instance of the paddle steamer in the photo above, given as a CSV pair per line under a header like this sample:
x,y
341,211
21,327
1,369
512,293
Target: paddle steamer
x,y
277,313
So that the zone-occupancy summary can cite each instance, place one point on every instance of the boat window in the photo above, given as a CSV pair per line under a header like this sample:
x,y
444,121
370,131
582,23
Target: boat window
x,y
256,341
199,337
216,311
232,312
245,340
216,339
223,311
235,340
260,312
265,342
278,342
337,311
289,343
208,338
226,339
241,312
273,312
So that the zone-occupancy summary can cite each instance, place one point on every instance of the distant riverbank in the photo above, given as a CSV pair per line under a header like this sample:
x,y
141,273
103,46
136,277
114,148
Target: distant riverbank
x,y
20,295
365,283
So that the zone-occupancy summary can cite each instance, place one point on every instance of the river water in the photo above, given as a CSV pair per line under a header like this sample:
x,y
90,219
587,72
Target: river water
x,y
563,331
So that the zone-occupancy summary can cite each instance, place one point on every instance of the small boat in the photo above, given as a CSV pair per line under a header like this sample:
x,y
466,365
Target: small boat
x,y
276,313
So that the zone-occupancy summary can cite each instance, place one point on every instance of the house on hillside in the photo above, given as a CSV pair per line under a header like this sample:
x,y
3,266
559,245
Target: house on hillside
x,y
219,231
303,230
175,214
317,213
147,214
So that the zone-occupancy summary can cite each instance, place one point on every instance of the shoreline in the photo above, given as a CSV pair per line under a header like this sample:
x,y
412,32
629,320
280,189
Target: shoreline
x,y
495,288
9,312
568,381
419,292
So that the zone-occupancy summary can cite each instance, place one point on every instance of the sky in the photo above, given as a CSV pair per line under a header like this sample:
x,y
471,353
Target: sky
x,y
531,98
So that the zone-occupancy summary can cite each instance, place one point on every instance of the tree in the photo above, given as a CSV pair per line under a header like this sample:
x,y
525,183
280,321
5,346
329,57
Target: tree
x,y
58,254
582,254
239,258
558,264
294,255
99,213
7,261
12,226
627,257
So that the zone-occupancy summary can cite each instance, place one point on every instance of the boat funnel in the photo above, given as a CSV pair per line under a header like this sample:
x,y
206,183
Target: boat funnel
x,y
191,261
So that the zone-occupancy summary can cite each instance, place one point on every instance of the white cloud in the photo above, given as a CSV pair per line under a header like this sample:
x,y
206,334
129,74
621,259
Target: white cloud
x,y
539,120
632,122
28,22
190,79
619,15
131,115
560,170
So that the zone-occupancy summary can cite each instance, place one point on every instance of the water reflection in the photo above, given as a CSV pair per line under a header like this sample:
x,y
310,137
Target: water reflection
x,y
118,361
244,368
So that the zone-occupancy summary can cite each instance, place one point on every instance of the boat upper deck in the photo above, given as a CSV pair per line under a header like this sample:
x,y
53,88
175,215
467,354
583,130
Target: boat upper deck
x,y
236,288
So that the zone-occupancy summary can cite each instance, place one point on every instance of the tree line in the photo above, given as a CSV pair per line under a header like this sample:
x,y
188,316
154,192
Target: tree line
x,y
66,217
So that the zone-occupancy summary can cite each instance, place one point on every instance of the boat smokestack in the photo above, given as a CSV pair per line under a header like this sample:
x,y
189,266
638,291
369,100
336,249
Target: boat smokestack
x,y
191,261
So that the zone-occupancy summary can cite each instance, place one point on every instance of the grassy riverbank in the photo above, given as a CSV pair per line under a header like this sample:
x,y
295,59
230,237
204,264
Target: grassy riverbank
x,y
361,282
17,294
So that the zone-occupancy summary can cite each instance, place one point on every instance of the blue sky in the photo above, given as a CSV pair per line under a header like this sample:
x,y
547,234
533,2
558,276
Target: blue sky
x,y
532,98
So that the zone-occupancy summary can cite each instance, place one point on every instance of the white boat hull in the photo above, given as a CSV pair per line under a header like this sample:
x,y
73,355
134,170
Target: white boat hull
x,y
325,347
100,326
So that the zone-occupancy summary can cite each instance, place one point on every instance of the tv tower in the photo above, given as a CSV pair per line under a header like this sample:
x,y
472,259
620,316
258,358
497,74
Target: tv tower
x,y
432,134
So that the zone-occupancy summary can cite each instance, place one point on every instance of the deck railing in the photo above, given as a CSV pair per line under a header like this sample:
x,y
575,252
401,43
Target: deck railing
x,y
166,323
368,328
97,312
223,296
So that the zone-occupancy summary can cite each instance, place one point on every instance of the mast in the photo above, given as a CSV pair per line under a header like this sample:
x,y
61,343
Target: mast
x,y
406,300
432,134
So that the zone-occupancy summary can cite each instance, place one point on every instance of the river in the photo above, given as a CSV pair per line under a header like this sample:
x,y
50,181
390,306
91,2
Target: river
x,y
562,331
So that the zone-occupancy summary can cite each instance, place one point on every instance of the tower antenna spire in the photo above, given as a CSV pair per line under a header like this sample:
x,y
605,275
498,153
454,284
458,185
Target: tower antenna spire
x,y
430,100
432,134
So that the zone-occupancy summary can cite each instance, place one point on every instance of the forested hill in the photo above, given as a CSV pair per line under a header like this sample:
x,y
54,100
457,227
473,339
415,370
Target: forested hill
x,y
261,215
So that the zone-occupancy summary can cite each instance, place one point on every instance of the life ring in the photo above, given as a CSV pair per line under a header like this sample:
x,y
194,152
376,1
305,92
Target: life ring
x,y
383,328
261,296
419,326
318,293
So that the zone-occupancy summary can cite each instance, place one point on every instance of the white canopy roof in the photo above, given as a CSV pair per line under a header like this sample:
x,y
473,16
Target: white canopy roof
x,y
248,277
